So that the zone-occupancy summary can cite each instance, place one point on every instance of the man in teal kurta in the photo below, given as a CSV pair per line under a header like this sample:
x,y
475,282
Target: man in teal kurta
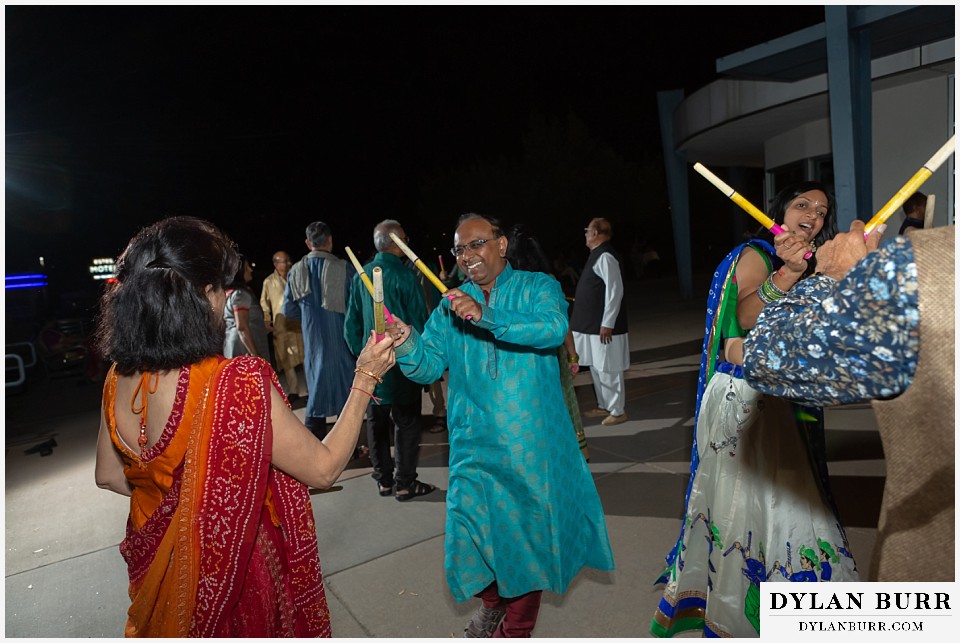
x,y
400,399
523,513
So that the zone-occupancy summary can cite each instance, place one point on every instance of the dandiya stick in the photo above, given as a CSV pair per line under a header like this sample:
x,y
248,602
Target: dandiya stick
x,y
738,198
912,185
419,264
440,259
928,211
378,307
366,280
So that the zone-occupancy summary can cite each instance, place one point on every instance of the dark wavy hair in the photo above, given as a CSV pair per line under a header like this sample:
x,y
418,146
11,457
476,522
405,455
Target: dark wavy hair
x,y
157,316
915,205
778,209
236,280
524,251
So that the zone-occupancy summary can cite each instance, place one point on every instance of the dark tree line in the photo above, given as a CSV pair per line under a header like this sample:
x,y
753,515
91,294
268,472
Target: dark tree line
x,y
559,179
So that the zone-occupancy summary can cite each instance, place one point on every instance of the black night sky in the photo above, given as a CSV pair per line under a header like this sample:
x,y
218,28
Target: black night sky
x,y
263,119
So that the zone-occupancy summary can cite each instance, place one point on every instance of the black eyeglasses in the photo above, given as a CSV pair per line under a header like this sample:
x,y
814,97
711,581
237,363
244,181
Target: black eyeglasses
x,y
473,246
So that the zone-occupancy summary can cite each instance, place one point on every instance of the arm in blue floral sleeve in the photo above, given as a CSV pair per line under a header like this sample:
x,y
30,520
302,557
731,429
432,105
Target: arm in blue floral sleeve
x,y
841,342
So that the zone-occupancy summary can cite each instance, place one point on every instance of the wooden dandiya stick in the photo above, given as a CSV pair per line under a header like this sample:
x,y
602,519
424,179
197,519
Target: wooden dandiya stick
x,y
440,259
378,307
912,185
928,211
418,263
738,198
366,280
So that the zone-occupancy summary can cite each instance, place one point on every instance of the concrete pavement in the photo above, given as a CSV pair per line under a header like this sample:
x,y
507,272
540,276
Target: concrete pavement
x,y
383,560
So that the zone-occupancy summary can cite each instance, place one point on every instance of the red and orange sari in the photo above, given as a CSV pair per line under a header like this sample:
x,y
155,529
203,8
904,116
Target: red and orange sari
x,y
218,542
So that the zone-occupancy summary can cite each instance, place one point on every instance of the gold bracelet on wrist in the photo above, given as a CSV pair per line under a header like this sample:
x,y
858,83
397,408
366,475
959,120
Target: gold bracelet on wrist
x,y
574,359
369,374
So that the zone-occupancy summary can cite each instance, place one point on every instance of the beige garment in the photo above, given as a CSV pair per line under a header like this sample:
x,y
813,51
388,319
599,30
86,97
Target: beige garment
x,y
287,334
915,537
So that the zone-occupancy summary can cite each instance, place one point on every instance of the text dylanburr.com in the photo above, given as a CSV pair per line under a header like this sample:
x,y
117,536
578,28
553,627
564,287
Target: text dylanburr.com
x,y
862,611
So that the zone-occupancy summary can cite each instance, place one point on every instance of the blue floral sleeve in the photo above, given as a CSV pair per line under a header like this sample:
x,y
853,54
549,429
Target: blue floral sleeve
x,y
832,342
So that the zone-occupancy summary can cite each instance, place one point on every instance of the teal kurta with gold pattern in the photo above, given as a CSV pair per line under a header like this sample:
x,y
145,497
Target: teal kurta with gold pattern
x,y
522,507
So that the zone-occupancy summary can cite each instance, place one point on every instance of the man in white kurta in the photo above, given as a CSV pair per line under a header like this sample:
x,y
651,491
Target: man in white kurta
x,y
599,324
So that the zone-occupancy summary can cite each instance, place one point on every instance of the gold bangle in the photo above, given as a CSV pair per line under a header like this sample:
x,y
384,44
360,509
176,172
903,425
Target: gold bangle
x,y
369,374
574,359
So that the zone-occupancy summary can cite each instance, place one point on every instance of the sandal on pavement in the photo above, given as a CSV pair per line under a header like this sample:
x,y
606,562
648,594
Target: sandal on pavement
x,y
417,489
484,622
385,490
595,413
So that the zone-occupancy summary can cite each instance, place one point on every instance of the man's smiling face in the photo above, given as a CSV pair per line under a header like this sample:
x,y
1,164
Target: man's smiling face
x,y
483,252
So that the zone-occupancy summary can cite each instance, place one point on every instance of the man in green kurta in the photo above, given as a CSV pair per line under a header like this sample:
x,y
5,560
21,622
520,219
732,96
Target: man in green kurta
x,y
399,397
523,513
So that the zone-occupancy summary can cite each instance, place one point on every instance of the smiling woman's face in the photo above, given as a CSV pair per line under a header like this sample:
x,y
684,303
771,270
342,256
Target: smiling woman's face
x,y
806,212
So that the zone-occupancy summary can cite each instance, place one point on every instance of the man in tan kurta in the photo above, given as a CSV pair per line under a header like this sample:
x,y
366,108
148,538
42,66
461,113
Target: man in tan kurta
x,y
287,336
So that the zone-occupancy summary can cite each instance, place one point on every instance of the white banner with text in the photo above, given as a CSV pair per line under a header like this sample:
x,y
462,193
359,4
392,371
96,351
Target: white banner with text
x,y
909,611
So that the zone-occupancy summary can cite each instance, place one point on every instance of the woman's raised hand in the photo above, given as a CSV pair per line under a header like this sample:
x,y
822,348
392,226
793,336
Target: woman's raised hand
x,y
377,357
791,247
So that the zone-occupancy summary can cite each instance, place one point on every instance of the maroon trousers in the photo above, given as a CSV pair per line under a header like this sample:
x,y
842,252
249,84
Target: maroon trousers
x,y
521,613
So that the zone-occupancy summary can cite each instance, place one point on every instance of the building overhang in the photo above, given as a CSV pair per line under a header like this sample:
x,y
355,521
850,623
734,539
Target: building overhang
x,y
803,54
727,122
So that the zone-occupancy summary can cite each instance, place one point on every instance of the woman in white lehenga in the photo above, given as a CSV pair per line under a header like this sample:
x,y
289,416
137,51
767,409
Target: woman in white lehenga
x,y
758,505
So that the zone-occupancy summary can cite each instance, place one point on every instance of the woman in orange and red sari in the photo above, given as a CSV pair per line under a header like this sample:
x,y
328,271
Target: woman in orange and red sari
x,y
221,539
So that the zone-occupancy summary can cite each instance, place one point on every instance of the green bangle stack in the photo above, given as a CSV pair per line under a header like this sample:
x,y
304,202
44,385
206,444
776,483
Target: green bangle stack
x,y
768,292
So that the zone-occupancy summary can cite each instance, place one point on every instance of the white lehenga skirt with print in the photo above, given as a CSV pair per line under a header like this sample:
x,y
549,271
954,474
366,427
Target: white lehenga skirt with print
x,y
756,512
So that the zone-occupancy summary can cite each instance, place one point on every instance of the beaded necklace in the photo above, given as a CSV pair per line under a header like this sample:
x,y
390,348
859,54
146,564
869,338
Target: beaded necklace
x,y
143,389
